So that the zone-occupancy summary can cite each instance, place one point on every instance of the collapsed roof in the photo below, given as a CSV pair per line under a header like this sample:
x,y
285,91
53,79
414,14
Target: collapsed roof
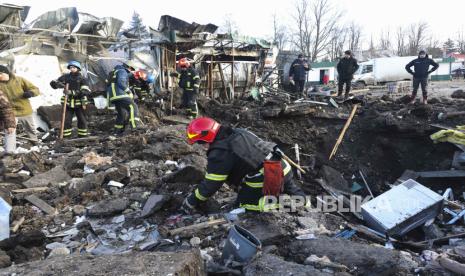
x,y
100,43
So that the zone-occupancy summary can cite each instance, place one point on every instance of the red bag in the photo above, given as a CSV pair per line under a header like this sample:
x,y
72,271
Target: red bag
x,y
273,178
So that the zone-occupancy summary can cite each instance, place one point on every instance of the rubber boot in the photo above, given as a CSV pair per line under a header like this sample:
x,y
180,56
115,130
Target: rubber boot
x,y
425,100
412,101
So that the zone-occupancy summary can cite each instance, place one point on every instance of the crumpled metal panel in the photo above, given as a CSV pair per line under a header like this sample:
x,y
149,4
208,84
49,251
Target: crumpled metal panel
x,y
169,23
105,27
157,36
13,15
64,19
88,23
110,27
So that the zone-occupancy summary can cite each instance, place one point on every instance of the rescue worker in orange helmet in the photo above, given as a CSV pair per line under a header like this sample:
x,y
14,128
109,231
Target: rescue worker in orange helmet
x,y
139,83
242,159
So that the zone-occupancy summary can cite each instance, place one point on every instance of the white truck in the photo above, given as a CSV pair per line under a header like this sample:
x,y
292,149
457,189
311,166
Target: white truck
x,y
382,70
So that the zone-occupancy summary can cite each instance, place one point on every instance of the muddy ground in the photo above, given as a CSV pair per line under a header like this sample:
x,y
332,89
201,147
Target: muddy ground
x,y
157,169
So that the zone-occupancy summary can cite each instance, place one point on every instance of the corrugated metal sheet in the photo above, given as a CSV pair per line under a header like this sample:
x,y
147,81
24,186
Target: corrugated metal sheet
x,y
105,27
11,15
64,19
170,23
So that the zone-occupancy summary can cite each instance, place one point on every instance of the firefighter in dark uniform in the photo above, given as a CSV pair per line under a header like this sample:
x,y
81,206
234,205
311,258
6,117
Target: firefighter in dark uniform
x,y
119,94
140,84
189,81
240,158
77,89
298,73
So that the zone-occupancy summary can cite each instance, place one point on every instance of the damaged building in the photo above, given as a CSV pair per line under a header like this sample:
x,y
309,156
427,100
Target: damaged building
x,y
110,205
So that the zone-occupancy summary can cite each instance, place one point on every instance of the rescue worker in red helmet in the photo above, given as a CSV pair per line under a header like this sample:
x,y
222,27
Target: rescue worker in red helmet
x,y
76,87
189,81
139,84
242,159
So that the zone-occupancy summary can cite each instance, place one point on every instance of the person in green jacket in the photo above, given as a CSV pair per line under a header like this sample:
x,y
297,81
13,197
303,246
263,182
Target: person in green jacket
x,y
18,91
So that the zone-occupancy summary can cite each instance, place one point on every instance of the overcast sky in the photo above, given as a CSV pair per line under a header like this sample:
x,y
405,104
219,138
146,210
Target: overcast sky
x,y
254,17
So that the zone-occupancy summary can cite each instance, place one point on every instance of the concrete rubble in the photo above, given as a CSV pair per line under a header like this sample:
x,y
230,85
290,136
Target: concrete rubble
x,y
128,199
110,205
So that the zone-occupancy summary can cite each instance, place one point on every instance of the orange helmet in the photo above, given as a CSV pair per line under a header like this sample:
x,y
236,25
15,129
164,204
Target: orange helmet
x,y
141,74
184,63
202,129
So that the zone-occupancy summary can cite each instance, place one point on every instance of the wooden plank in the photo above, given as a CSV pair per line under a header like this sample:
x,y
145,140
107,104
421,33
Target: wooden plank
x,y
210,79
42,205
17,224
225,91
343,132
442,174
83,139
28,190
198,226
452,265
175,119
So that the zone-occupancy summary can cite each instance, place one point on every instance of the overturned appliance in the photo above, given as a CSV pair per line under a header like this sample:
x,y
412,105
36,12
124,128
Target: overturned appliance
x,y
401,209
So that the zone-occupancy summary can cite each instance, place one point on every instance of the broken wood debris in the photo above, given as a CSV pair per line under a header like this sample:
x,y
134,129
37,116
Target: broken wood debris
x,y
30,190
42,205
17,224
198,226
344,129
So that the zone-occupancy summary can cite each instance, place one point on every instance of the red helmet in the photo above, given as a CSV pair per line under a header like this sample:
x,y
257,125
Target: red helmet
x,y
184,63
202,129
141,74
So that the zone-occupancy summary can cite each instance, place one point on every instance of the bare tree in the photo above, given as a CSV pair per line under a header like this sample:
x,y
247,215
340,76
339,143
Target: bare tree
x,y
372,49
385,40
355,35
325,17
401,43
417,37
280,34
229,25
336,43
316,21
304,28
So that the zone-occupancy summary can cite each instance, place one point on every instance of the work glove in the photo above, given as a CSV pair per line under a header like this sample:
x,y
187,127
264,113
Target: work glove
x,y
77,93
56,84
28,94
84,92
291,81
67,92
186,207
174,74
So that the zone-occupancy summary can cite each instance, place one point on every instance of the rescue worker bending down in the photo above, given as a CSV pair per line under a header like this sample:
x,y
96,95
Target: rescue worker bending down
x,y
119,94
139,83
77,89
189,81
240,158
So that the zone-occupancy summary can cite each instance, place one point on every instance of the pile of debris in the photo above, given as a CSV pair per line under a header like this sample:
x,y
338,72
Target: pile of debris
x,y
77,200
